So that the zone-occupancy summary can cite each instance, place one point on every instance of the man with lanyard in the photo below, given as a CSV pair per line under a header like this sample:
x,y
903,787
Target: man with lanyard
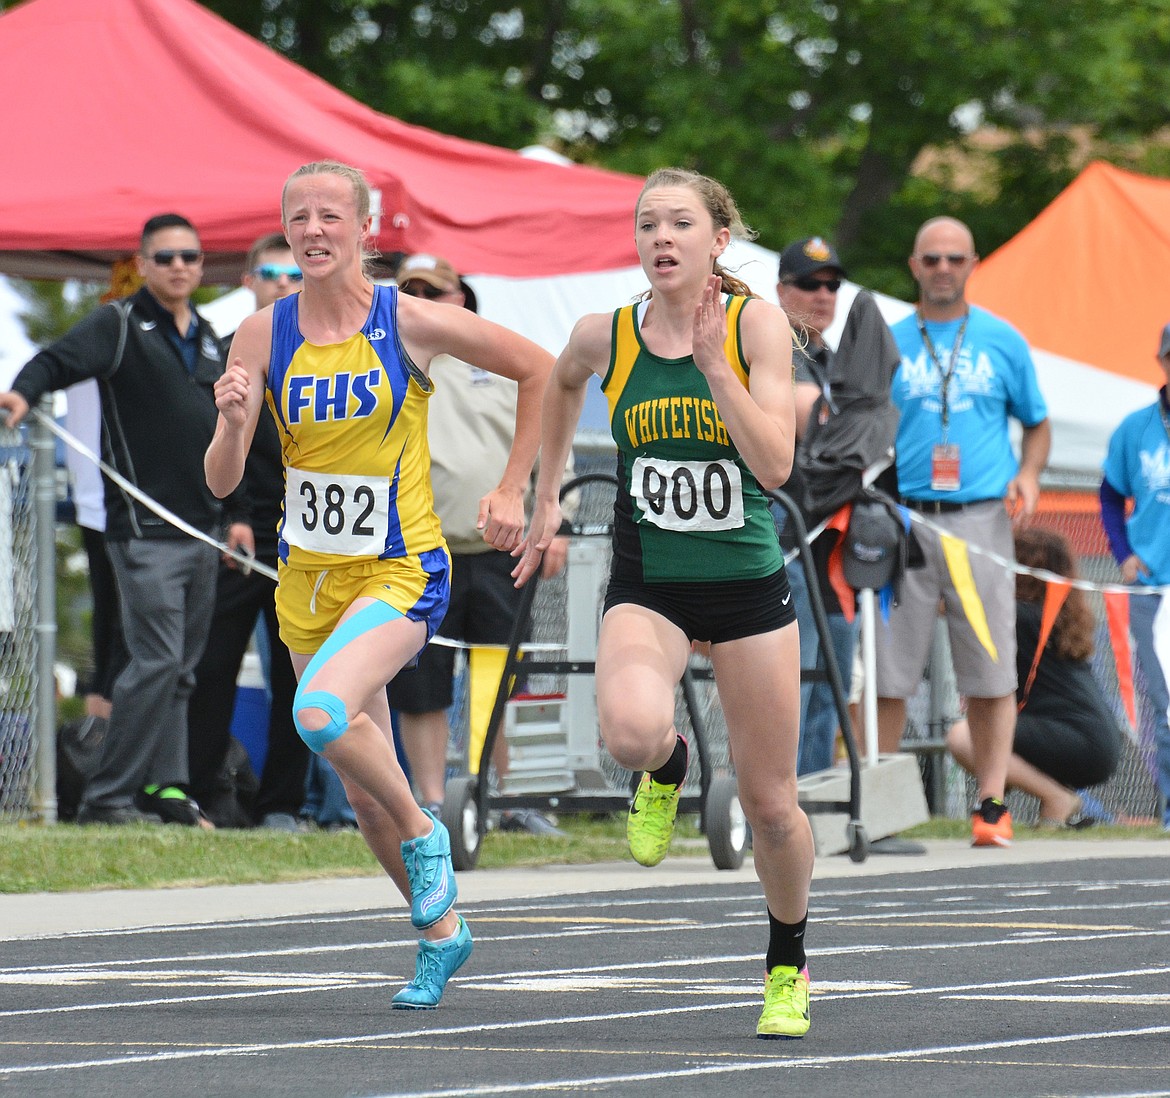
x,y
964,374
1137,468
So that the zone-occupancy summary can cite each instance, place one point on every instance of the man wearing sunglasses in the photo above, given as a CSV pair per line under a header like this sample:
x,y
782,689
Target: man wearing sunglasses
x,y
810,274
964,375
241,596
156,361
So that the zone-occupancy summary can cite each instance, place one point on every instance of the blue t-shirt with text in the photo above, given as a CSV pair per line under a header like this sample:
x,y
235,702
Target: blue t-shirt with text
x,y
1137,464
993,380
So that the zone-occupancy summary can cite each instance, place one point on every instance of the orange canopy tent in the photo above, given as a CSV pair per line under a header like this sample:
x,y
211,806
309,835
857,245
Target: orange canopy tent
x,y
1087,278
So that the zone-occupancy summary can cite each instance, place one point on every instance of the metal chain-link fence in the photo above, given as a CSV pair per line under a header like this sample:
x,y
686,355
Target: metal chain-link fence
x,y
1069,506
18,602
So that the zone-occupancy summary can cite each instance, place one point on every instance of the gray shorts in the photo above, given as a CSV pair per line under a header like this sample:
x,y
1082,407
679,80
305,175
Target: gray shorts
x,y
903,645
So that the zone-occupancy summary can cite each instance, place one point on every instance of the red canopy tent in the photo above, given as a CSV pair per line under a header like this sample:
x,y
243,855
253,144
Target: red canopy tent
x,y
120,109
1087,278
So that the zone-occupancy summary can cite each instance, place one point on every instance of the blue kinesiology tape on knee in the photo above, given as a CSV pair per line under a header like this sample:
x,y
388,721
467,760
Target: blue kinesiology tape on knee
x,y
367,618
332,706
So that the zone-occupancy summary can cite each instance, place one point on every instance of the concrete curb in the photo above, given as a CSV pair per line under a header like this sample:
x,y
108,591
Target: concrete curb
x,y
50,914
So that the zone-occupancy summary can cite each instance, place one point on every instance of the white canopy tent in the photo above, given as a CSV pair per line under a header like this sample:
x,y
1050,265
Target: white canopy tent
x,y
1085,404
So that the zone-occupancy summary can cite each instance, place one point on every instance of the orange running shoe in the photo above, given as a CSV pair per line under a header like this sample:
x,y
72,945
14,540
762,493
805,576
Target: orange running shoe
x,y
991,824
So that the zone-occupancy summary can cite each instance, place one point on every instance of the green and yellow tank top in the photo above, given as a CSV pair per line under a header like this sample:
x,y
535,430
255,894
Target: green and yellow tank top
x,y
688,508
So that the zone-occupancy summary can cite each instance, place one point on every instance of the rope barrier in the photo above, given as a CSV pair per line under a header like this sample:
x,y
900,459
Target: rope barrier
x,y
1008,565
247,562
1041,573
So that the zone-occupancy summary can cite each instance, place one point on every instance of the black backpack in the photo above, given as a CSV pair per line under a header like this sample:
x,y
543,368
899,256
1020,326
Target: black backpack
x,y
79,750
232,800
854,428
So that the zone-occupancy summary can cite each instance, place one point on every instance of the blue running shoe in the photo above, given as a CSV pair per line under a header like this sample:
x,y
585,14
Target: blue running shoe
x,y
435,965
431,875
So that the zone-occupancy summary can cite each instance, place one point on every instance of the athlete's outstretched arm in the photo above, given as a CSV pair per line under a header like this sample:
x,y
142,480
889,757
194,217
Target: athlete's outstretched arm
x,y
587,353
428,329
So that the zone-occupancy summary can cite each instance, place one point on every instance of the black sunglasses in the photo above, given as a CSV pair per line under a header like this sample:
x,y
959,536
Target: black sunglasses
x,y
189,256
933,259
811,285
421,289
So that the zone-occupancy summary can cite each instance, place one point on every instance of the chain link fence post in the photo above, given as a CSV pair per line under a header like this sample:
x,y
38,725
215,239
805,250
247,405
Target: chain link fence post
x,y
44,480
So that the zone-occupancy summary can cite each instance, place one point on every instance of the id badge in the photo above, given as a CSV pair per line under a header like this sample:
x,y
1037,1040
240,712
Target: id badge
x,y
944,469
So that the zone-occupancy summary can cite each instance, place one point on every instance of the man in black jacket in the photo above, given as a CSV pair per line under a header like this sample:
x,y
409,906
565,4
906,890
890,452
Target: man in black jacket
x,y
270,274
156,361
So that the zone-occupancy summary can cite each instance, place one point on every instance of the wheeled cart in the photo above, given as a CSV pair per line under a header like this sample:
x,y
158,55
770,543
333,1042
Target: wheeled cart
x,y
556,760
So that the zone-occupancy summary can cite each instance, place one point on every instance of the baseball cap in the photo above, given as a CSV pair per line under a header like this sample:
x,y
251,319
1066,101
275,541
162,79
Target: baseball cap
x,y
431,269
1164,343
802,257
872,549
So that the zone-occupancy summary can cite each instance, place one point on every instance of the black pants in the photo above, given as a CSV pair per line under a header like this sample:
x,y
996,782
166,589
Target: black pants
x,y
238,601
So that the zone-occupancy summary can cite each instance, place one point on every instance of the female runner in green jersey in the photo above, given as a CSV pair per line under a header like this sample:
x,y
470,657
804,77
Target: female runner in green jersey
x,y
700,391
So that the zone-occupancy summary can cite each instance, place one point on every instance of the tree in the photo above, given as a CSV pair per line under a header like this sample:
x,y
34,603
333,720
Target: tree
x,y
817,114
50,311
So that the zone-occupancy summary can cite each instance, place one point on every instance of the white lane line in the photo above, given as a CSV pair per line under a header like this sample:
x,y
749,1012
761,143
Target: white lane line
x,y
515,980
580,930
887,911
590,1082
181,1000
581,1082
1114,999
605,901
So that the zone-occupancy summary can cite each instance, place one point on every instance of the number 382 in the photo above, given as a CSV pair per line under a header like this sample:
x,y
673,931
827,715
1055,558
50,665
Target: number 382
x,y
332,509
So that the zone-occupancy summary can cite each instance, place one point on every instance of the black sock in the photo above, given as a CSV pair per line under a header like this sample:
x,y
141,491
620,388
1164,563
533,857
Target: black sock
x,y
785,943
674,770
991,809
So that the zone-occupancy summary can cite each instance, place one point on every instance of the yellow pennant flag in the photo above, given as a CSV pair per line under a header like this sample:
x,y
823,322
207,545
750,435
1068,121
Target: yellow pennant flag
x,y
485,670
959,566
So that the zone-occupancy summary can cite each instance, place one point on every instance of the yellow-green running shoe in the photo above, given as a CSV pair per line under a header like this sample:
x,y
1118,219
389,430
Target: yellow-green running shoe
x,y
650,824
785,1013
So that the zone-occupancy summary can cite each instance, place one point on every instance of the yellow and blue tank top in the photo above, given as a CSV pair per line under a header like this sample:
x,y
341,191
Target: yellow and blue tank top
x,y
688,508
352,418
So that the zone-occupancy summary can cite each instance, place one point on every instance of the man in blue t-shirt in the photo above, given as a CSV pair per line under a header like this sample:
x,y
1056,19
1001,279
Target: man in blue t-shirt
x,y
1137,467
964,375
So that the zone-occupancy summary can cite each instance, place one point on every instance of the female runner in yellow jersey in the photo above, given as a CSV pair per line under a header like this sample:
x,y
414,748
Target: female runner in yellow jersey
x,y
701,406
364,573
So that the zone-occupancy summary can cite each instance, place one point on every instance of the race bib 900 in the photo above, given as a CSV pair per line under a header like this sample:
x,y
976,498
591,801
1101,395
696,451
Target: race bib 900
x,y
332,513
688,495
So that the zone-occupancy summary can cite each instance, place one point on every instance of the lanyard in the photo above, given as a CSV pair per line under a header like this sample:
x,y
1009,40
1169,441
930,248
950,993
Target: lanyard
x,y
952,361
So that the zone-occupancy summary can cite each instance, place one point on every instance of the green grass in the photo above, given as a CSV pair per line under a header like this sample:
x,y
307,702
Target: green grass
x,y
67,858
942,828
77,859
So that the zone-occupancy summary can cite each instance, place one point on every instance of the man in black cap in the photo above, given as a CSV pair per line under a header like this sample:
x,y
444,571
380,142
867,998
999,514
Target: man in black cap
x,y
809,277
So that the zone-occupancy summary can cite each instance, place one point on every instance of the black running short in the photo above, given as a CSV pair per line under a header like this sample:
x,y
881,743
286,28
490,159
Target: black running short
x,y
714,612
